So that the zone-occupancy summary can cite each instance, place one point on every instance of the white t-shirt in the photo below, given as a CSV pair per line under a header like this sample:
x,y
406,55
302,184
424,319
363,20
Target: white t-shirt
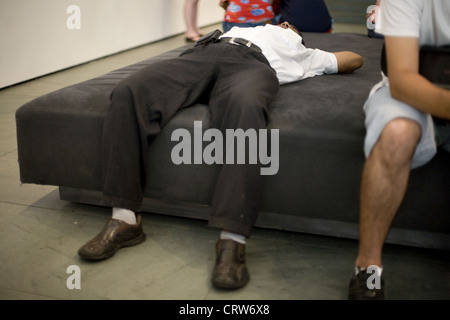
x,y
428,20
286,54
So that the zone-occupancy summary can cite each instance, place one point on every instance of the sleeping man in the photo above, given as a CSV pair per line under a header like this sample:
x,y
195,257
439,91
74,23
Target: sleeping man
x,y
237,74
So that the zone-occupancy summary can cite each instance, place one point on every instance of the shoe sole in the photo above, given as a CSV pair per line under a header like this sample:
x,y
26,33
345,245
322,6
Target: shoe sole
x,y
229,286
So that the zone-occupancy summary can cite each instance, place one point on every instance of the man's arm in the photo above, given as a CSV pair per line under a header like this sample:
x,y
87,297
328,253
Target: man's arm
x,y
348,61
407,85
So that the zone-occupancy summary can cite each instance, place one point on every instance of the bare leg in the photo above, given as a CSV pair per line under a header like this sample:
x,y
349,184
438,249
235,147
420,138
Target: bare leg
x,y
190,16
384,181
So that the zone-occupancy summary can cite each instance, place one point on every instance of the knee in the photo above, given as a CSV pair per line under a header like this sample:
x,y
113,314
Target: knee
x,y
129,88
122,98
247,111
399,140
122,89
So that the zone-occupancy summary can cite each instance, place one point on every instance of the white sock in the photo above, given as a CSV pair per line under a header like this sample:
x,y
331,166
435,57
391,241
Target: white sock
x,y
225,235
125,215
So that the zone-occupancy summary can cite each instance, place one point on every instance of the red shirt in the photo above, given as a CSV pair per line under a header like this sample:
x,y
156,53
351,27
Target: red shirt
x,y
241,11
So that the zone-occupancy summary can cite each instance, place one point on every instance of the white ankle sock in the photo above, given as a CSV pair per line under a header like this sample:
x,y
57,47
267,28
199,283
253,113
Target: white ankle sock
x,y
125,215
225,235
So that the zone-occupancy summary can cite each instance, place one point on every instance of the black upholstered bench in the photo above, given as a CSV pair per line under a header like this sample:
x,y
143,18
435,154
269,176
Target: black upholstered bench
x,y
321,133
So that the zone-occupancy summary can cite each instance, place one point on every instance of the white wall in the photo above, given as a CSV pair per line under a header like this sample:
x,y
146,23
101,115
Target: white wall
x,y
37,37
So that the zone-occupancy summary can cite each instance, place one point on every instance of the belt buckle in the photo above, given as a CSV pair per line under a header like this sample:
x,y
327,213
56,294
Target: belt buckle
x,y
240,41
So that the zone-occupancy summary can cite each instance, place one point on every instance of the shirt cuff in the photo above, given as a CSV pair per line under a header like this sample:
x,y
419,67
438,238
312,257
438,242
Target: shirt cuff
x,y
332,64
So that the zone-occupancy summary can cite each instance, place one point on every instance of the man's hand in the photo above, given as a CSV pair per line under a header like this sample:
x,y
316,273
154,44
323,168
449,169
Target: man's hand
x,y
348,61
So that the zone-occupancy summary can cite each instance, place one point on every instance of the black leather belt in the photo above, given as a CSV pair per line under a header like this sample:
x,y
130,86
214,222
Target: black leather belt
x,y
242,42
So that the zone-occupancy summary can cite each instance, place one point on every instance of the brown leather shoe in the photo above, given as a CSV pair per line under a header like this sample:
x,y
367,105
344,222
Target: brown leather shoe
x,y
116,234
230,271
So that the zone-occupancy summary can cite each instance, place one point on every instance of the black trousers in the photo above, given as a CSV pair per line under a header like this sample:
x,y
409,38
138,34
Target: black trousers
x,y
239,85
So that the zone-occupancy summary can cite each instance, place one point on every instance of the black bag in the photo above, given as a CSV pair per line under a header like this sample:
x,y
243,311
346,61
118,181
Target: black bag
x,y
212,36
434,64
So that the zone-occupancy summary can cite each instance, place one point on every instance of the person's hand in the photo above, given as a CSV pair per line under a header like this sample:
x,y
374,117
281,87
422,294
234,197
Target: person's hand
x,y
224,4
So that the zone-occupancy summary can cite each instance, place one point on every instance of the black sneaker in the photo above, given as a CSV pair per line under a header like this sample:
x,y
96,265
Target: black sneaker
x,y
359,286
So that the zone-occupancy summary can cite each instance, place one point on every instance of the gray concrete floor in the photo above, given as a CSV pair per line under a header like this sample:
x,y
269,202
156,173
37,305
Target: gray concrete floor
x,y
40,235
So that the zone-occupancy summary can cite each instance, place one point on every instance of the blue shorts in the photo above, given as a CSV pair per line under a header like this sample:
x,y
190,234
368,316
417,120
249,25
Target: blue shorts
x,y
380,108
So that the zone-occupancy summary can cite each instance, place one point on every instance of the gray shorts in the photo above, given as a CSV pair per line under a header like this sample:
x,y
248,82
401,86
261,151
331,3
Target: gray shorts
x,y
381,108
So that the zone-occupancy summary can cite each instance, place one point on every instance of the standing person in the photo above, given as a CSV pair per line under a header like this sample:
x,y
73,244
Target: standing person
x,y
403,128
238,75
305,15
190,11
246,13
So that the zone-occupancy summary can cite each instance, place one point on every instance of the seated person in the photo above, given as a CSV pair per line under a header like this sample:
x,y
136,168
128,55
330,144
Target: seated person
x,y
407,120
